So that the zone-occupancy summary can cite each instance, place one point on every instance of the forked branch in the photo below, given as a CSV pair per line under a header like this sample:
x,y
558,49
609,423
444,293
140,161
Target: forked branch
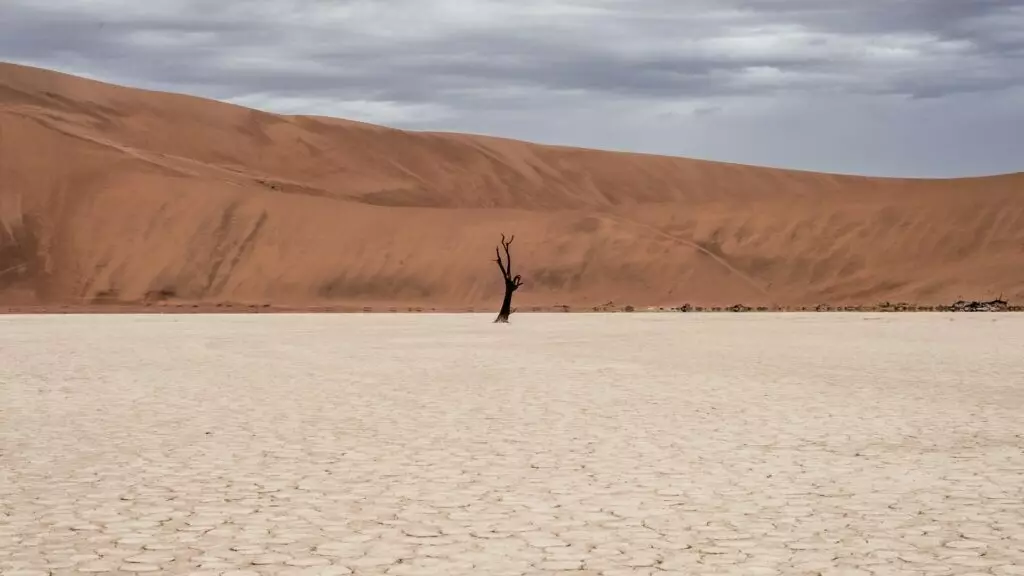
x,y
506,266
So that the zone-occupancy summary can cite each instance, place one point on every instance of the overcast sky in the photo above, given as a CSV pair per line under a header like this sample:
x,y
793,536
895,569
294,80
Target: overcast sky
x,y
886,87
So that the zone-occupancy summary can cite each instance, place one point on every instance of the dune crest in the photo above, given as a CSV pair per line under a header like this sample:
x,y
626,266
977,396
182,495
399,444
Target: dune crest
x,y
111,195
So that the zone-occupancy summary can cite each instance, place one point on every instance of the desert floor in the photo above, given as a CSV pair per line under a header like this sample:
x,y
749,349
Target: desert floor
x,y
578,444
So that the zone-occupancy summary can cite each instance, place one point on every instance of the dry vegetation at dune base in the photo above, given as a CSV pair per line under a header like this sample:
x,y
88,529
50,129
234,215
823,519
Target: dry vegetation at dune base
x,y
118,199
610,307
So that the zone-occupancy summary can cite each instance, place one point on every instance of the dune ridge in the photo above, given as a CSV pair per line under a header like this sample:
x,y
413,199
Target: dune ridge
x,y
113,195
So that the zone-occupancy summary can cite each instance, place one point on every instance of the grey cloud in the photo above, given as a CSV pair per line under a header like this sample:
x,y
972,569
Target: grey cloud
x,y
533,59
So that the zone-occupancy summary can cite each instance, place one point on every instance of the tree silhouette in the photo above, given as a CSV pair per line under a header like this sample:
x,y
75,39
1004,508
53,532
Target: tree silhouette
x,y
512,283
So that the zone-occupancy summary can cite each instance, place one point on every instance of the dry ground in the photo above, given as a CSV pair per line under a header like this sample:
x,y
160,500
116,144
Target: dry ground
x,y
850,444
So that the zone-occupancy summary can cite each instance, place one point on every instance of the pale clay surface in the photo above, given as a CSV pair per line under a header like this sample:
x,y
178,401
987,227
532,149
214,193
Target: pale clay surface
x,y
835,444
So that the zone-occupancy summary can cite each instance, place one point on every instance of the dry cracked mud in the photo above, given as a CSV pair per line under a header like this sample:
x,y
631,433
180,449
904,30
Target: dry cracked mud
x,y
846,444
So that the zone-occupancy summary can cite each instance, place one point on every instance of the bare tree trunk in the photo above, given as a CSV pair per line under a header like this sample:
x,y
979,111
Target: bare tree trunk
x,y
512,283
506,305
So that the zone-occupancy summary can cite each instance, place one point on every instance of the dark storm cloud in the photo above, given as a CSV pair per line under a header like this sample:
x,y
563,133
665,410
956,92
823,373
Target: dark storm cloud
x,y
446,63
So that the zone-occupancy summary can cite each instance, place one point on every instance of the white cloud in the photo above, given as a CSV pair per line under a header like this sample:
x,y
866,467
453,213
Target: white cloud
x,y
372,111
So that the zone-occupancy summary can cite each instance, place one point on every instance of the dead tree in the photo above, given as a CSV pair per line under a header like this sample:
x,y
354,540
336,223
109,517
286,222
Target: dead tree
x,y
512,283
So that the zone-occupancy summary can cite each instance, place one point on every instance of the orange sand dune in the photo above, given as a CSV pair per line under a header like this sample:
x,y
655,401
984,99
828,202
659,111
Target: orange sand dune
x,y
114,195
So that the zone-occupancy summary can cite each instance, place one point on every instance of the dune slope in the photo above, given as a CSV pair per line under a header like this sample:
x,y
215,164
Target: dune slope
x,y
111,194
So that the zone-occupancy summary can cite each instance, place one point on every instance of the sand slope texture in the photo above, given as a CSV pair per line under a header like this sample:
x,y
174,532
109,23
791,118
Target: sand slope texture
x,y
114,195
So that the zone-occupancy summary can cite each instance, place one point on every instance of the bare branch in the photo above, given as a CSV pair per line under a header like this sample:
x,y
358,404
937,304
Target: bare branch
x,y
504,271
508,255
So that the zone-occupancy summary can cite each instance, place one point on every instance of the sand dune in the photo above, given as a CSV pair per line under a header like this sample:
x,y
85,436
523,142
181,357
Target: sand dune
x,y
112,194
